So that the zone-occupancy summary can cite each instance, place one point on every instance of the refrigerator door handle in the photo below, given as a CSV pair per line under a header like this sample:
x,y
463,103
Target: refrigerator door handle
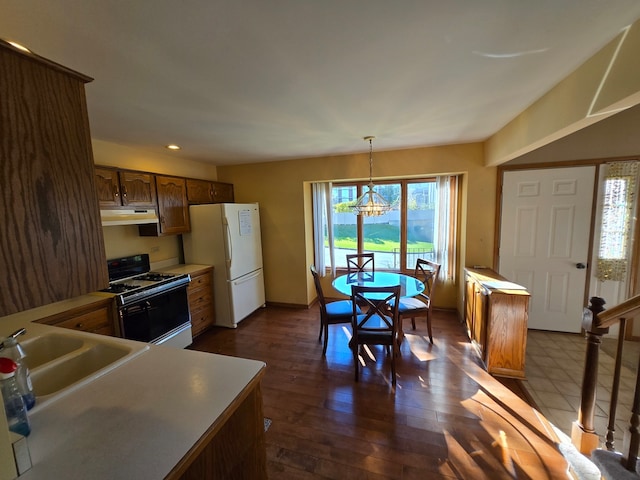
x,y
246,278
229,243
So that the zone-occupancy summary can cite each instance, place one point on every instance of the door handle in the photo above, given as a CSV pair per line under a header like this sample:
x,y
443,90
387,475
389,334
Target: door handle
x,y
580,266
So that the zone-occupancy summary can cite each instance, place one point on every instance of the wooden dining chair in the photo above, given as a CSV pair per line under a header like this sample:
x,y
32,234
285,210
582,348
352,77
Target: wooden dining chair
x,y
331,313
412,307
377,324
360,262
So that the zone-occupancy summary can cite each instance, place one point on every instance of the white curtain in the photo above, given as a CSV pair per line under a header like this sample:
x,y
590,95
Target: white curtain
x,y
322,221
444,241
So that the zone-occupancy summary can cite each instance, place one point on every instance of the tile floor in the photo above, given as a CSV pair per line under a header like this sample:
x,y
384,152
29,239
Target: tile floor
x,y
554,370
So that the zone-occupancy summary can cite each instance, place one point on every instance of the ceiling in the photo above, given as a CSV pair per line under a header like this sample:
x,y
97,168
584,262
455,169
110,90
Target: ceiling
x,y
237,81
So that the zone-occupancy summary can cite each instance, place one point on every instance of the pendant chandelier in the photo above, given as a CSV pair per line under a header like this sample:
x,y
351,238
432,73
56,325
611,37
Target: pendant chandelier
x,y
371,203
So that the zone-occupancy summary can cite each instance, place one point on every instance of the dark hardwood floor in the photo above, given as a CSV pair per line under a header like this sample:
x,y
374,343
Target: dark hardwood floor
x,y
447,418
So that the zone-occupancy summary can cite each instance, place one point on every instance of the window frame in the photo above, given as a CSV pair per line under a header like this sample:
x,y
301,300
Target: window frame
x,y
403,204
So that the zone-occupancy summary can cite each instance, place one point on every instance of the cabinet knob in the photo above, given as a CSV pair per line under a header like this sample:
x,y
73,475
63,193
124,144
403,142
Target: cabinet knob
x,y
124,191
80,326
116,192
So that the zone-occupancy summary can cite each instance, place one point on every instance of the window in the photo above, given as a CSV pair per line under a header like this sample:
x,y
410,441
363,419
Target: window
x,y
420,224
617,214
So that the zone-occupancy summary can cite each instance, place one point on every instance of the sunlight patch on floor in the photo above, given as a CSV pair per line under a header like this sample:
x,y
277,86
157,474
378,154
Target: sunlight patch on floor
x,y
420,346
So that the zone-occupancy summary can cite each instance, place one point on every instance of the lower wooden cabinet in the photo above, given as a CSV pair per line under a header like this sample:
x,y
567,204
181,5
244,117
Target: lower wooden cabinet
x,y
201,306
233,447
496,314
98,317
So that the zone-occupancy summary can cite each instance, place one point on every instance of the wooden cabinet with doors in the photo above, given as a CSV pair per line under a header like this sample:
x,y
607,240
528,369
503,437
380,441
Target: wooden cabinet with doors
x,y
475,305
204,191
125,188
98,317
173,208
200,295
496,313
51,244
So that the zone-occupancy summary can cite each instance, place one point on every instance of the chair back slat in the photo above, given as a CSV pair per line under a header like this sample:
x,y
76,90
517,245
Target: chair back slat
x,y
378,322
316,281
373,301
428,272
360,262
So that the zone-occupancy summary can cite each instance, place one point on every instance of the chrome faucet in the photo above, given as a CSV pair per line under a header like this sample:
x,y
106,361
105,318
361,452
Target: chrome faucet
x,y
14,335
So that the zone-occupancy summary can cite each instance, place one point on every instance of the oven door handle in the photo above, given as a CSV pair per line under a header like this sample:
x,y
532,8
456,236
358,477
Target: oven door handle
x,y
137,308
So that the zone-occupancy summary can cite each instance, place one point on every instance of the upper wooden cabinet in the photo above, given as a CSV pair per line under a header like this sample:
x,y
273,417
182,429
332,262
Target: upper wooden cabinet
x,y
173,208
125,188
204,191
51,244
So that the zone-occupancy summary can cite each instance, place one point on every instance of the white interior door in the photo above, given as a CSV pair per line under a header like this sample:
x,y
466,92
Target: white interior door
x,y
544,241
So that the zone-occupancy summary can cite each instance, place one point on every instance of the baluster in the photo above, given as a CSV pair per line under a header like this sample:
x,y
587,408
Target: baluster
x,y
615,388
583,434
632,439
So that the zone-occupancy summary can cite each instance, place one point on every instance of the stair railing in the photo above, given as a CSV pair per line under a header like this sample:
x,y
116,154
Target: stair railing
x,y
596,322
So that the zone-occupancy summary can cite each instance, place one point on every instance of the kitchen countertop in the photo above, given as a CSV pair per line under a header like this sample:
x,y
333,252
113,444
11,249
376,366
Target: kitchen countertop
x,y
189,268
21,318
137,420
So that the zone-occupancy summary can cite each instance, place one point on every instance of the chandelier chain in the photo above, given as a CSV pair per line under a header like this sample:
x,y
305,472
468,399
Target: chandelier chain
x,y
371,203
370,160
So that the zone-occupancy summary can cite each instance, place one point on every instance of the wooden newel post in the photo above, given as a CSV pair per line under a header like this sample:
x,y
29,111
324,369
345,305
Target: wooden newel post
x,y
583,434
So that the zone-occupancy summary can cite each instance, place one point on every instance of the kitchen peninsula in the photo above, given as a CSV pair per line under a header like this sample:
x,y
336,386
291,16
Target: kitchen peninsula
x,y
165,413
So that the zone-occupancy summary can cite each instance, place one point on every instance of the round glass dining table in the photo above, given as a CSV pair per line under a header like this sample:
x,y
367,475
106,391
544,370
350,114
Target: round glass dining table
x,y
409,286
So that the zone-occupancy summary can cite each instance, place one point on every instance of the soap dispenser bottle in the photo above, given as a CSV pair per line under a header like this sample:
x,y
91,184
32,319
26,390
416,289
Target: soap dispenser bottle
x,y
13,403
11,348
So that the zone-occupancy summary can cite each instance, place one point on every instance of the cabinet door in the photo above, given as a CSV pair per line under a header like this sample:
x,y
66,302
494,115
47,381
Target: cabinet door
x,y
138,189
199,191
108,187
469,305
222,192
51,244
173,208
506,334
480,320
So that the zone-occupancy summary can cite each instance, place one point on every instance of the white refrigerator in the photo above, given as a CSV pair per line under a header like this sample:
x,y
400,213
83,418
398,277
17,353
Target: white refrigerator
x,y
227,236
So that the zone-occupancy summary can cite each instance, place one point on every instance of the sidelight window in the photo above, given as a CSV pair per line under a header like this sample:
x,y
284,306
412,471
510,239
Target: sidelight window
x,y
617,216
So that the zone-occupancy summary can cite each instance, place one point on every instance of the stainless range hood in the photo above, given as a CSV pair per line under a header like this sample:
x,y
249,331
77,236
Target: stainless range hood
x,y
128,217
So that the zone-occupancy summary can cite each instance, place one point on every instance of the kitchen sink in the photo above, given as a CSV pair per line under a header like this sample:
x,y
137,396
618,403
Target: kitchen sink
x,y
46,348
61,362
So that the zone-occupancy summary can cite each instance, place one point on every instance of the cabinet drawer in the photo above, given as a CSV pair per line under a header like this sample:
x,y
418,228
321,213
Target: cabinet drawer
x,y
199,297
201,319
200,281
96,321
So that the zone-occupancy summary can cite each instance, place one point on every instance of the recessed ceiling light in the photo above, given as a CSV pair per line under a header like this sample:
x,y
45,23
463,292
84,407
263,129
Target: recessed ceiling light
x,y
173,147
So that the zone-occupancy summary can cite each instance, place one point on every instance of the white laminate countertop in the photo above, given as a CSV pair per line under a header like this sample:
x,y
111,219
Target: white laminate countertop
x,y
136,421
